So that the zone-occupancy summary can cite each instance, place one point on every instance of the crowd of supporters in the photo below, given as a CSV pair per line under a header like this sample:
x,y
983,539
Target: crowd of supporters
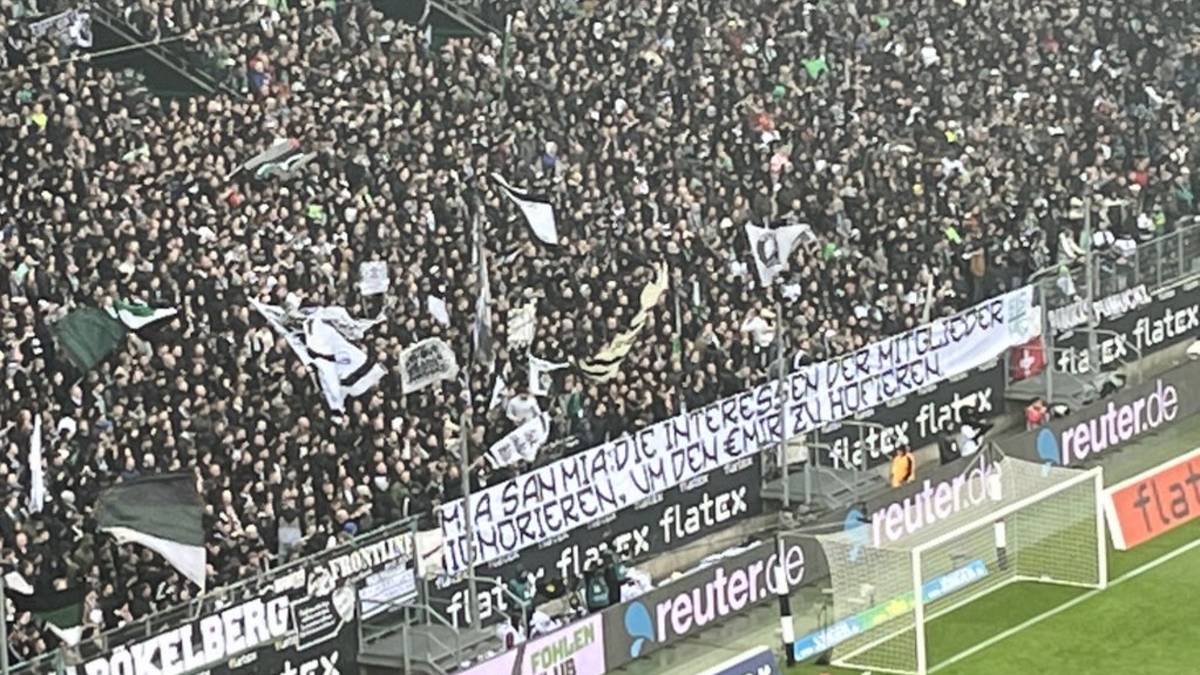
x,y
941,151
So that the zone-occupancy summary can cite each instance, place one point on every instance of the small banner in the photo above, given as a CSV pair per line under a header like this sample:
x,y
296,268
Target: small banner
x,y
522,443
426,362
373,278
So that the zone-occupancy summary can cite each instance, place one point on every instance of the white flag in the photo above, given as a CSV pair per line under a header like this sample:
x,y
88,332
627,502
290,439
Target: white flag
x,y
772,248
522,443
438,310
498,393
37,478
541,375
522,325
537,211
373,278
321,336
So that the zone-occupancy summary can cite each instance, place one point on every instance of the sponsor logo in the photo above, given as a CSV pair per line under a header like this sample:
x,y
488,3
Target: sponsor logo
x,y
1155,502
1077,314
930,418
562,650
1168,325
757,661
1116,424
322,665
721,593
936,502
856,525
679,522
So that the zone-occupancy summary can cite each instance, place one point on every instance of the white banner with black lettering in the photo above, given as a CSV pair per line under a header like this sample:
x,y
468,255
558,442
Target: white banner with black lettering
x,y
521,443
430,360
584,487
73,26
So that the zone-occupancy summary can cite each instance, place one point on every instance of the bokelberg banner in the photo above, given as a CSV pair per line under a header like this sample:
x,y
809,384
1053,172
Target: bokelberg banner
x,y
682,515
597,483
915,420
1102,426
1171,317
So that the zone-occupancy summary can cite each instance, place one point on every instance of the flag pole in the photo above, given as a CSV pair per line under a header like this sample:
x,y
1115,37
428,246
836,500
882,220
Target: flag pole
x,y
3,626
781,392
464,459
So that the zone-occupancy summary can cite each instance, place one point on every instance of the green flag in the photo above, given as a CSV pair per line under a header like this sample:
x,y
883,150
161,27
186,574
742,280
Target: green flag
x,y
89,335
137,314
163,513
816,66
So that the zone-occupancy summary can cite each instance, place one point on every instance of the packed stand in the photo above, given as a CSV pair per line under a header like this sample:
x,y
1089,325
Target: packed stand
x,y
935,148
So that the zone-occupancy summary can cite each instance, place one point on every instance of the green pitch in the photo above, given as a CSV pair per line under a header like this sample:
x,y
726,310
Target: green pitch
x,y
1144,623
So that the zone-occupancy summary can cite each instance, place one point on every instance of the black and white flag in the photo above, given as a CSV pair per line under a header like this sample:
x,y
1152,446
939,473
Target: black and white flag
x,y
522,443
322,338
522,325
772,248
537,210
541,375
481,333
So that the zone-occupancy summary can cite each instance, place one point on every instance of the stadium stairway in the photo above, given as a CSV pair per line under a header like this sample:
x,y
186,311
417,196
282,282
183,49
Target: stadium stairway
x,y
171,58
430,648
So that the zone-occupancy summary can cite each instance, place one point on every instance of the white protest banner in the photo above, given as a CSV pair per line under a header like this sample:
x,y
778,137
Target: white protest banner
x,y
541,375
522,323
1076,314
426,362
584,487
373,278
521,443
73,26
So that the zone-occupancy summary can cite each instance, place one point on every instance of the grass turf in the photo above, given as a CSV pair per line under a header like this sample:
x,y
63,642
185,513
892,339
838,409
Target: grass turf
x,y
1144,625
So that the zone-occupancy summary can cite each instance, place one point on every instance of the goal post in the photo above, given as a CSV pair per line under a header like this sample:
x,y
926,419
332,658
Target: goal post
x,y
1013,522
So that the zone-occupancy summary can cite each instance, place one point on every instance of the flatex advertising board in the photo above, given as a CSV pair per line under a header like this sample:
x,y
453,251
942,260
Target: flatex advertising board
x,y
914,420
1132,413
1172,317
707,596
691,511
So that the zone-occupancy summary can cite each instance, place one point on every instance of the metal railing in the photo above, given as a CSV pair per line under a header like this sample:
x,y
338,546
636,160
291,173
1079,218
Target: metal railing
x,y
208,603
1156,263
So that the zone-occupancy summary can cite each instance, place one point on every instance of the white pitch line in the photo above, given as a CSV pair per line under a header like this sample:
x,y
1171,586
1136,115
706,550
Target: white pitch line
x,y
999,637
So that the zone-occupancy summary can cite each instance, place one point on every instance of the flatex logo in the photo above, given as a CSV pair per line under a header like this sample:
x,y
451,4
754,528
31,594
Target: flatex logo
x,y
679,522
1115,425
326,664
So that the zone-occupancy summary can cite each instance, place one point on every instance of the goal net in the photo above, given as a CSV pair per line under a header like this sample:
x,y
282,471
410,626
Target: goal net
x,y
1001,522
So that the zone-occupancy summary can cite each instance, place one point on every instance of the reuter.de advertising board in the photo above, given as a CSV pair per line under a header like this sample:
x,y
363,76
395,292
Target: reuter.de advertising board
x,y
1131,414
696,509
1155,502
705,597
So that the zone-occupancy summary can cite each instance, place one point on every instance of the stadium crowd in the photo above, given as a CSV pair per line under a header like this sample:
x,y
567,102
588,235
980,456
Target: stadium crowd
x,y
939,150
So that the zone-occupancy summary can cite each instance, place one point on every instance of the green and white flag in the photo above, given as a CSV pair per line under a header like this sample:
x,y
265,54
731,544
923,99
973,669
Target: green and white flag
x,y
137,315
164,514
88,335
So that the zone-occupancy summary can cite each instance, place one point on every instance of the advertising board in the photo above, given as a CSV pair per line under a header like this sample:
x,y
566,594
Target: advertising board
x,y
914,420
577,649
698,600
757,661
1105,425
1171,316
694,510
1155,502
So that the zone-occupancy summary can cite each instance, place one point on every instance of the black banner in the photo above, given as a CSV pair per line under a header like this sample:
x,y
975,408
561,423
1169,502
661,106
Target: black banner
x,y
677,517
334,654
914,420
1172,317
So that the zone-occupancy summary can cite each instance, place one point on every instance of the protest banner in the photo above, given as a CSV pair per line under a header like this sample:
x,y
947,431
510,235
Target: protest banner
x,y
576,490
426,362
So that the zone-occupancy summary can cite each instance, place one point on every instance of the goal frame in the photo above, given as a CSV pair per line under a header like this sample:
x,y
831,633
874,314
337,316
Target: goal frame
x,y
1094,476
